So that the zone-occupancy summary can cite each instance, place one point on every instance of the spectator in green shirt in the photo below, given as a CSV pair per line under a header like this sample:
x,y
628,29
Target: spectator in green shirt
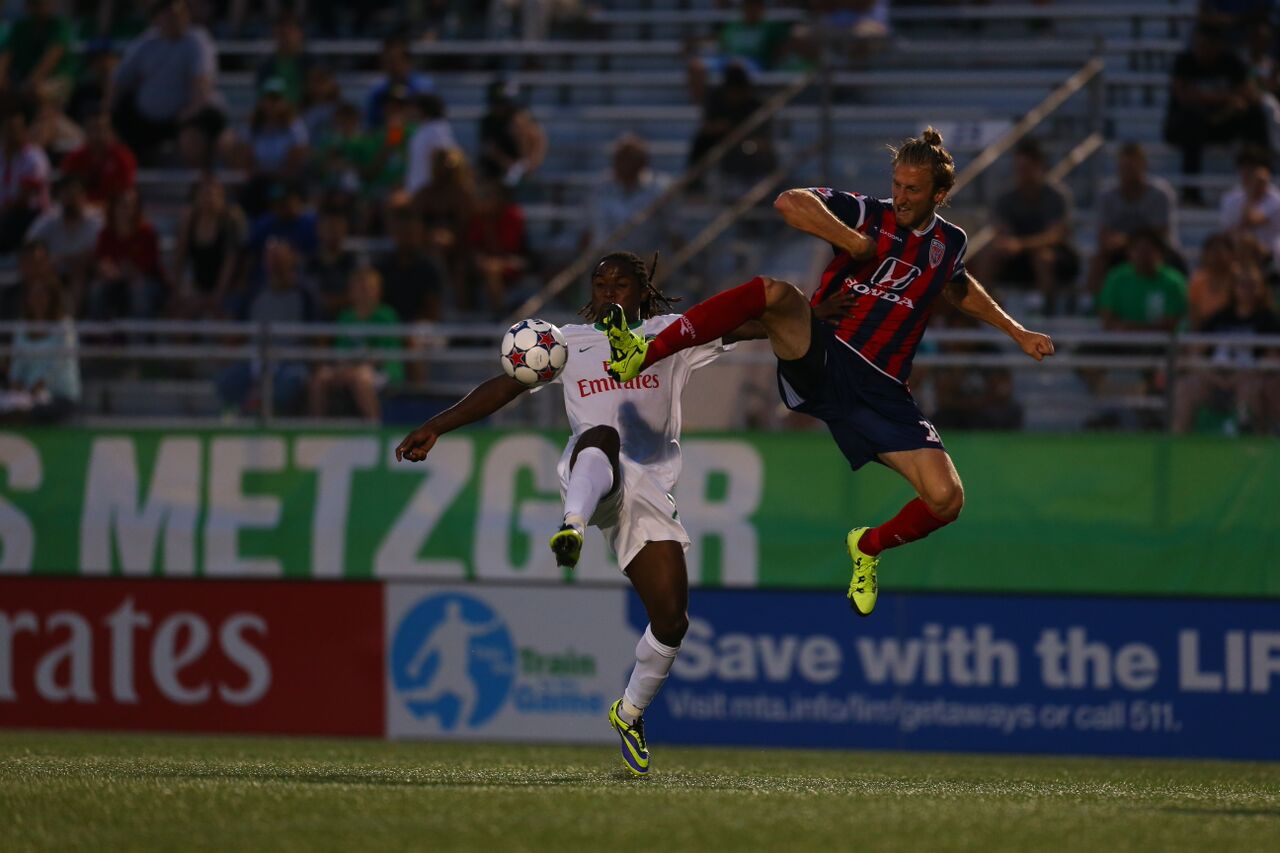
x,y
752,41
345,161
392,158
361,379
289,62
37,51
1145,294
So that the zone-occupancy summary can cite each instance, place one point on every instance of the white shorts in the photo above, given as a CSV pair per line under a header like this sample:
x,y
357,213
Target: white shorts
x,y
637,512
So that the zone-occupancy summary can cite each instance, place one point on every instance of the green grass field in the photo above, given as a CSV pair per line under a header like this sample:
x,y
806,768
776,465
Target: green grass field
x,y
107,792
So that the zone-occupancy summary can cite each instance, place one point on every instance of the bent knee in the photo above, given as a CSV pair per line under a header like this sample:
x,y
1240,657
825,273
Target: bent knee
x,y
669,628
779,292
945,501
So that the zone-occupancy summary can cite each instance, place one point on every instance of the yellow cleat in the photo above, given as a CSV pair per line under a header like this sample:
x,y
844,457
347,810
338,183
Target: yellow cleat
x,y
863,588
626,348
567,545
635,752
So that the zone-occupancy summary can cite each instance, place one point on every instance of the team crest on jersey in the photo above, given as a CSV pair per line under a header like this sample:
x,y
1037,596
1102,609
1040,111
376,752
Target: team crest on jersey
x,y
936,250
895,274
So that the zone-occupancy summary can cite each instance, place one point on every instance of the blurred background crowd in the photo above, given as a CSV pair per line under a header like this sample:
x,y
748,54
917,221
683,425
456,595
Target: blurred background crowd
x,y
324,162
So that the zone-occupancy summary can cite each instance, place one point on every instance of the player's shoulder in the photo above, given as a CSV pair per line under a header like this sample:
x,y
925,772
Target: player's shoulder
x,y
658,322
875,211
831,195
578,331
580,336
951,231
856,195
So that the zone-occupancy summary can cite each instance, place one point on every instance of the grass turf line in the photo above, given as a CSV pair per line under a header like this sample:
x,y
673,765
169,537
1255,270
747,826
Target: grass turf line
x,y
124,792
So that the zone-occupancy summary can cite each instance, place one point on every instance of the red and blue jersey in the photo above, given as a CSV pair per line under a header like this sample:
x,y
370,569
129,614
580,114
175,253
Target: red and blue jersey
x,y
894,290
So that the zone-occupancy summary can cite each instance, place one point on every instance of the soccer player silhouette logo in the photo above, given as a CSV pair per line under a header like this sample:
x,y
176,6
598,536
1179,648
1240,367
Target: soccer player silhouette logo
x,y
453,659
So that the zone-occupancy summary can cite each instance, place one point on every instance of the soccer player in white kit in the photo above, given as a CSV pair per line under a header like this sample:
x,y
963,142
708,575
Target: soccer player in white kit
x,y
617,471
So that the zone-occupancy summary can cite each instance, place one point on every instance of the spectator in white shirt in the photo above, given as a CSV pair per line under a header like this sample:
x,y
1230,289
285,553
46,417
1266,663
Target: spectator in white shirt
x,y
24,179
1254,206
44,371
434,134
70,230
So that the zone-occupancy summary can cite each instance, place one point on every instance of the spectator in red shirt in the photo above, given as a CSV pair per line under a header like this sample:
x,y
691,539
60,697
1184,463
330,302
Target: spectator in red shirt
x,y
129,281
495,237
105,165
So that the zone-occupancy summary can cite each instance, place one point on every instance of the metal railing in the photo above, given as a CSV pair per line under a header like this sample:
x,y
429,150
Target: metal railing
x,y
473,349
1089,75
1086,148
579,266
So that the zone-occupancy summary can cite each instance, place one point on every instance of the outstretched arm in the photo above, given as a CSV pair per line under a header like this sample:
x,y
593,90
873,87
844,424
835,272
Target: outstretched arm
x,y
972,298
805,212
485,399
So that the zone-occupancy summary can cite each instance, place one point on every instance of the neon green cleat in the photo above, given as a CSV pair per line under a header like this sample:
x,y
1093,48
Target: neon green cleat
x,y
567,545
635,752
863,588
626,348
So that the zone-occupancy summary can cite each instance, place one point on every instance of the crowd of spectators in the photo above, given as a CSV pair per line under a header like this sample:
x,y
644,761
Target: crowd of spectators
x,y
306,201
1138,280
1223,94
86,101
309,205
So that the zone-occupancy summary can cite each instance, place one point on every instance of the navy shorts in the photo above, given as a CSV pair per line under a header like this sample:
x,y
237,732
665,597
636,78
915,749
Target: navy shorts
x,y
867,412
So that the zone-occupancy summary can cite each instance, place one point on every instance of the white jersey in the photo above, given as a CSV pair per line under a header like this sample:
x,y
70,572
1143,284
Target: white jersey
x,y
644,411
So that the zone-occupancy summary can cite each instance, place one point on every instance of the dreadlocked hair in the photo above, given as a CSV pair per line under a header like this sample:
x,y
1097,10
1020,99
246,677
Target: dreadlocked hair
x,y
926,150
652,300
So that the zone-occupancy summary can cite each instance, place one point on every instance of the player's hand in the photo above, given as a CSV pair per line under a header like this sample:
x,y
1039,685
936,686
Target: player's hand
x,y
417,444
1035,344
835,308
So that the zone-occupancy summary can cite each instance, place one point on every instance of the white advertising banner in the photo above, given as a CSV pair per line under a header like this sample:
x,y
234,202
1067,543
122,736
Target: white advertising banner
x,y
505,663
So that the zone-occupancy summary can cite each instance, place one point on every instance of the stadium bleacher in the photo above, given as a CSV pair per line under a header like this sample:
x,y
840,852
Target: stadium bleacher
x,y
584,106
971,70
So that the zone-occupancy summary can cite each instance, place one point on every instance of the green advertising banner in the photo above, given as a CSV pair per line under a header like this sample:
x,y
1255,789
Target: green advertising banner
x,y
1088,513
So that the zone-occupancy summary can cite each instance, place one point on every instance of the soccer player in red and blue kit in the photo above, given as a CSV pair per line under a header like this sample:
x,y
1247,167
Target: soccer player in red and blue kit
x,y
893,258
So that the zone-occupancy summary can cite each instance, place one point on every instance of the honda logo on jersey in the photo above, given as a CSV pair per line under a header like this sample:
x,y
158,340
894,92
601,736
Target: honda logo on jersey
x,y
894,274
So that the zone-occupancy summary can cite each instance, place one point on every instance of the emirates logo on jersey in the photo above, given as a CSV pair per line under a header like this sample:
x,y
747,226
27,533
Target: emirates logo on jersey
x,y
643,382
894,274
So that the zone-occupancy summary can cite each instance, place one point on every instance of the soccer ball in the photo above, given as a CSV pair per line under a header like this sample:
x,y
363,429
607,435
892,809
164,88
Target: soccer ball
x,y
533,352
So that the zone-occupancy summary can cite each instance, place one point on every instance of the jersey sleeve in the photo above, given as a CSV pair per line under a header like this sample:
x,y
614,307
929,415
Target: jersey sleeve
x,y
695,357
701,356
849,208
958,270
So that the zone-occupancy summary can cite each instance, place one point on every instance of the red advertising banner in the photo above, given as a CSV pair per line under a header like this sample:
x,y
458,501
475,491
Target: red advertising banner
x,y
192,655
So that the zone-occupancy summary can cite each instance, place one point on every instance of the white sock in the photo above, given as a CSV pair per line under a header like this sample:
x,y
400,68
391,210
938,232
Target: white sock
x,y
653,662
589,481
